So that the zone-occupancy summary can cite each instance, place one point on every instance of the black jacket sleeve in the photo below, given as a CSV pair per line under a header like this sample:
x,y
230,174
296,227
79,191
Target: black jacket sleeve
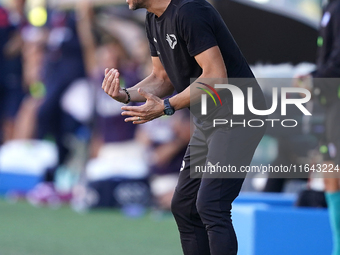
x,y
331,65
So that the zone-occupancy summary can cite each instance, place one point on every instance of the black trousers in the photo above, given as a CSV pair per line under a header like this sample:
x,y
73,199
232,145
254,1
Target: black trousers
x,y
202,206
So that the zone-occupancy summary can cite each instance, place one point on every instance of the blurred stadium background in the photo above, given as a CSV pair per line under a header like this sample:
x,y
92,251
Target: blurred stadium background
x,y
75,179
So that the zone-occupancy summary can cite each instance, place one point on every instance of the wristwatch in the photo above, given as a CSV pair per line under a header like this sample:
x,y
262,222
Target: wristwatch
x,y
168,109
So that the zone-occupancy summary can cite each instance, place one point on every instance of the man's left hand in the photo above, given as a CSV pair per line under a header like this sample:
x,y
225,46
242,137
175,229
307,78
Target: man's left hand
x,y
152,109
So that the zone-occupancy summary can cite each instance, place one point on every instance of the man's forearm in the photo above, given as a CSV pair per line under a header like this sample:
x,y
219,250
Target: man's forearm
x,y
214,72
193,95
151,84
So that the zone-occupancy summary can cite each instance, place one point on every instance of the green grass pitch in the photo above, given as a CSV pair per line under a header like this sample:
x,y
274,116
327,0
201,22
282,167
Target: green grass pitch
x,y
26,230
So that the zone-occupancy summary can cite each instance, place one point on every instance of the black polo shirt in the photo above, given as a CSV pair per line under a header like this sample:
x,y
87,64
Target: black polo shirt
x,y
186,29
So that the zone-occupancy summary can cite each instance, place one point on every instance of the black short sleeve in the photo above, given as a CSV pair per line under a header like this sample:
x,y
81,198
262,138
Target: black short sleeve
x,y
196,24
153,50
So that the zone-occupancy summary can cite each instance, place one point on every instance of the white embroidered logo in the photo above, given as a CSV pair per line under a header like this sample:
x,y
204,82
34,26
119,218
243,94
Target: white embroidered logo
x,y
172,40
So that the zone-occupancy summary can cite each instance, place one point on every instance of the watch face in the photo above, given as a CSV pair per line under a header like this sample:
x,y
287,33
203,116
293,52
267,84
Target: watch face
x,y
169,111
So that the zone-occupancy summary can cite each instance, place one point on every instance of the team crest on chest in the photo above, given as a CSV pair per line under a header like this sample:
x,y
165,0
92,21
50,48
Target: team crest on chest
x,y
172,40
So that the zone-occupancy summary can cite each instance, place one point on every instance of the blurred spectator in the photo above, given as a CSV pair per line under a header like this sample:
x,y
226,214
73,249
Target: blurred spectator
x,y
166,141
11,90
33,54
53,66
327,89
4,37
63,65
113,141
109,123
101,50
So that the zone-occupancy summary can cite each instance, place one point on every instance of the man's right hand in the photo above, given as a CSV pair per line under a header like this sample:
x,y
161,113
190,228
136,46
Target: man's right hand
x,y
111,86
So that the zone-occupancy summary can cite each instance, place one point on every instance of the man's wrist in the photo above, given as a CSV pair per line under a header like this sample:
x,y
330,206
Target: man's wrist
x,y
172,101
163,106
128,96
168,108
